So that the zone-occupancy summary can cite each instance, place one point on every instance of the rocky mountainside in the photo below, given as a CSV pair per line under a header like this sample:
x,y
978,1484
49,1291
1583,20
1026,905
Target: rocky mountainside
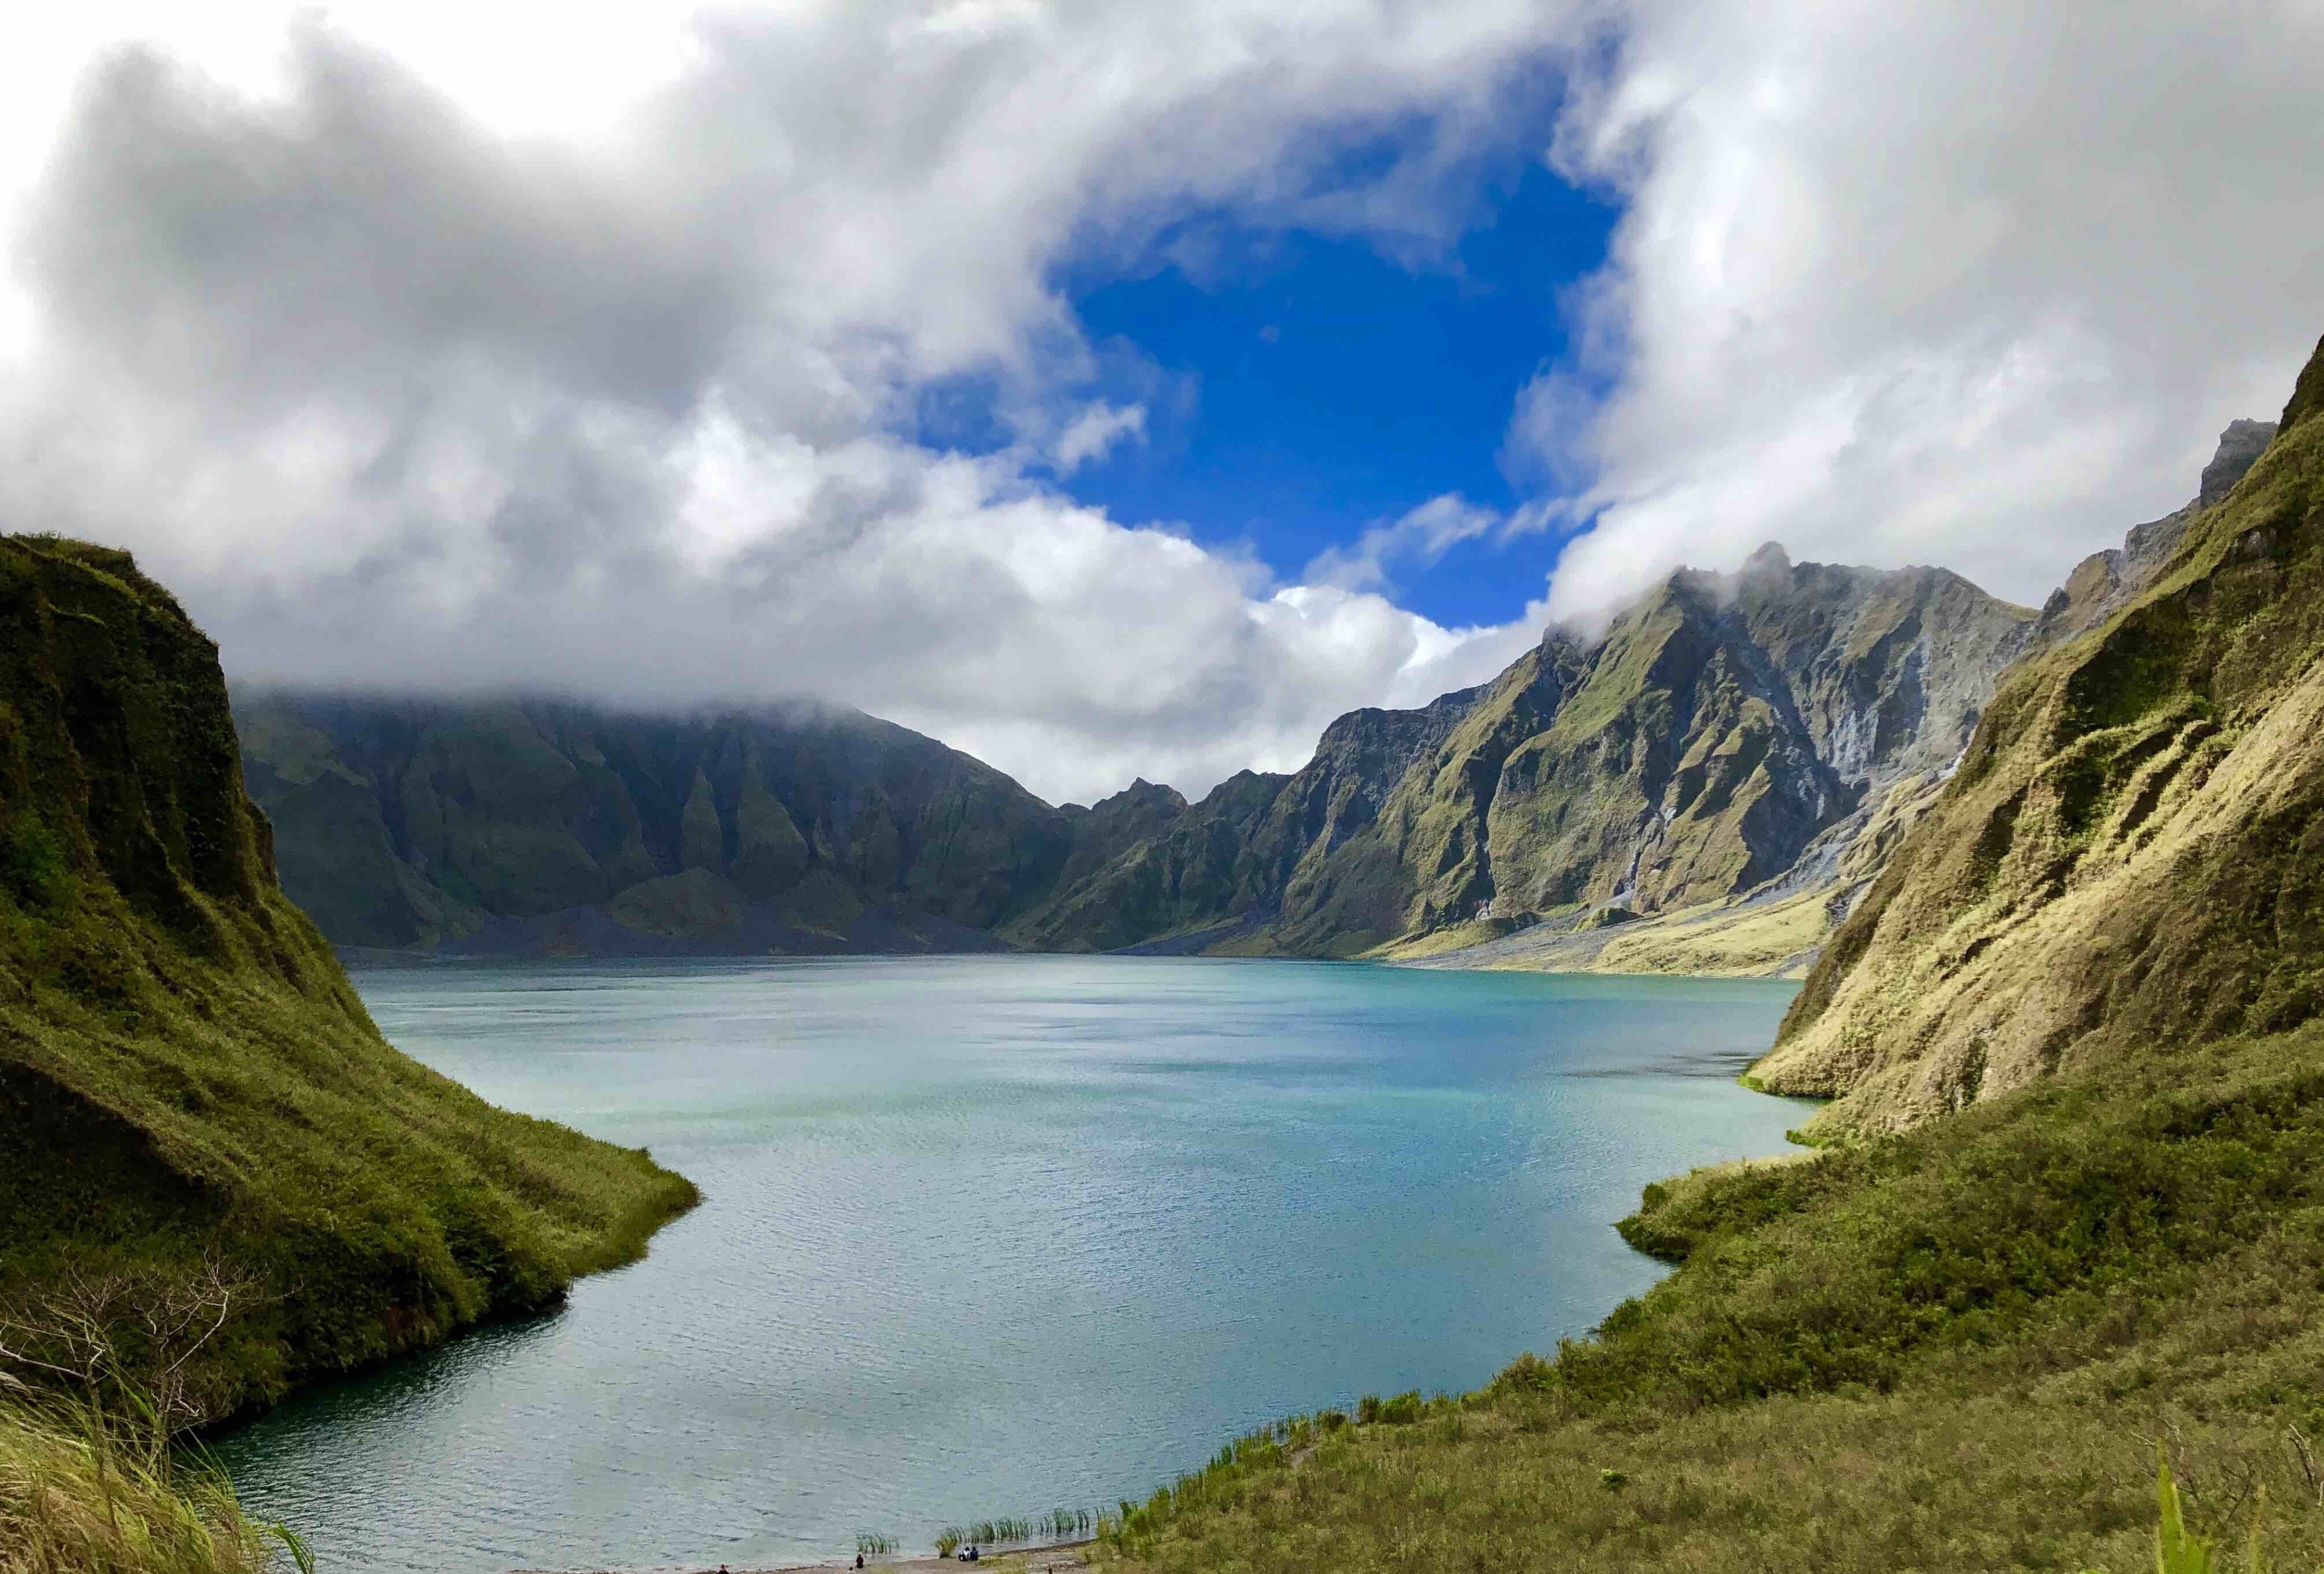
x,y
2103,582
544,829
186,1075
2133,848
1763,738
551,828
1717,735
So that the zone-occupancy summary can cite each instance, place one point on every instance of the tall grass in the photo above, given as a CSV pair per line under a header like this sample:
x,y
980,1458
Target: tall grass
x,y
872,1544
82,1494
1059,1524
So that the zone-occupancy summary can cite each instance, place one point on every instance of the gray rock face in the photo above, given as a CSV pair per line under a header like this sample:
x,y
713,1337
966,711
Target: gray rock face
x,y
2104,582
2240,446
1714,734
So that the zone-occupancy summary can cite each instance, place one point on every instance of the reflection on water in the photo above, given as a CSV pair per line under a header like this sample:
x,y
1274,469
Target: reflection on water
x,y
992,1236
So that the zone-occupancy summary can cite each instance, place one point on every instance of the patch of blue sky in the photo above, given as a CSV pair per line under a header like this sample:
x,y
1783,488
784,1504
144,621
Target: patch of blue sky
x,y
1301,387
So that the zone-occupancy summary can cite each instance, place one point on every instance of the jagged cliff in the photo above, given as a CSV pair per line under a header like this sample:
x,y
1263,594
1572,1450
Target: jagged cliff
x,y
1765,737
184,1071
1719,734
2133,849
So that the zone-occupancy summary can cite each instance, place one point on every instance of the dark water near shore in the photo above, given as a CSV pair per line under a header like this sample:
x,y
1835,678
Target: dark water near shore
x,y
990,1236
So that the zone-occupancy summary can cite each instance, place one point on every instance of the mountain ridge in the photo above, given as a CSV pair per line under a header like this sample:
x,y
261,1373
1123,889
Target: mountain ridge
x,y
1753,738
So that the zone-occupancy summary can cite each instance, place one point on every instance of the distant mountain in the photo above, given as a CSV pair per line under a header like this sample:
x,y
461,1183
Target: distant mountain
x,y
552,828
1719,733
1707,786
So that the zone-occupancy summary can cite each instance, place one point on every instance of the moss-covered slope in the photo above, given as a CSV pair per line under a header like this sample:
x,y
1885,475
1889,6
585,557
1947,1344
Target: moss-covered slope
x,y
2133,849
183,1067
525,827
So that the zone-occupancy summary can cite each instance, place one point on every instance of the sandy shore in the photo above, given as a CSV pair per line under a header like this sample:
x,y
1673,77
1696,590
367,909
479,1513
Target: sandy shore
x,y
1023,1560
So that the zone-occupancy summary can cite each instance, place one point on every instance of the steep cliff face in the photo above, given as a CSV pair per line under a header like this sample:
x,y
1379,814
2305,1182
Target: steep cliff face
x,y
1215,878
1697,750
1726,732
2132,853
183,1067
527,828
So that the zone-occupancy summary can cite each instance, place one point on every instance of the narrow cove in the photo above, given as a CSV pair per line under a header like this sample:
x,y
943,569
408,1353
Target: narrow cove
x,y
997,1235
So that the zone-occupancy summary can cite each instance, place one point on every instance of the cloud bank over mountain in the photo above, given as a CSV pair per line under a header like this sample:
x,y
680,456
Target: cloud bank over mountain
x,y
1971,284
407,375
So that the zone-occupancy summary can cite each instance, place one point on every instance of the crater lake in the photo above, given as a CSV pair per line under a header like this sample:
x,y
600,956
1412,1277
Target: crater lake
x,y
993,1235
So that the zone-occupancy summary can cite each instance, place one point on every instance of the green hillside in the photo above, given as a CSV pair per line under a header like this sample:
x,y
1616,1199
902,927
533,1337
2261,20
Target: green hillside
x,y
2067,1216
2132,853
185,1072
536,828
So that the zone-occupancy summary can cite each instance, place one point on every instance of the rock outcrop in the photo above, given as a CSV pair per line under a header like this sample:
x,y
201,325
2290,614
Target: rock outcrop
x,y
2104,582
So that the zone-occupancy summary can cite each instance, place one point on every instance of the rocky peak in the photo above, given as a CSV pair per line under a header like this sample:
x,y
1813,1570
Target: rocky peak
x,y
2105,582
1138,795
2240,446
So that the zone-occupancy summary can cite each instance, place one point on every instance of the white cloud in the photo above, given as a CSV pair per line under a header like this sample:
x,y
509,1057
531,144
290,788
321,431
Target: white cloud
x,y
1421,536
1967,284
1092,434
592,350
406,368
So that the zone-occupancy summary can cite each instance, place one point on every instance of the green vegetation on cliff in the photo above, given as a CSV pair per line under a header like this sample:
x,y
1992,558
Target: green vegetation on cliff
x,y
508,828
2132,852
186,1076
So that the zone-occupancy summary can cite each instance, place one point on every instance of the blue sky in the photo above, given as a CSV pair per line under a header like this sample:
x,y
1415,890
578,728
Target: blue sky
x,y
1314,386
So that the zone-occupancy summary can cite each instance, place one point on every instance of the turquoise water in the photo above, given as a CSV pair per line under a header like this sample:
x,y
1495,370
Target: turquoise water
x,y
989,1235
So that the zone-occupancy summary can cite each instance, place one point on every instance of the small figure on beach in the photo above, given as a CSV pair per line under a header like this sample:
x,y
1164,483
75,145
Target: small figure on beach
x,y
859,1559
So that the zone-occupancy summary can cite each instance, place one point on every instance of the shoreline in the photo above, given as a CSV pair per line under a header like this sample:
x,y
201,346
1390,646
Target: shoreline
x,y
1059,1555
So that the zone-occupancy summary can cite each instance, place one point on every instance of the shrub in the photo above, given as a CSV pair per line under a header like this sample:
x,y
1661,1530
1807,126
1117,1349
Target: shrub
x,y
1401,1410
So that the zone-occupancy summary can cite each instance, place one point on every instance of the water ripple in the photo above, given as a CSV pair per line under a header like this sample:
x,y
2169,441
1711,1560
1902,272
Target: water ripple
x,y
989,1235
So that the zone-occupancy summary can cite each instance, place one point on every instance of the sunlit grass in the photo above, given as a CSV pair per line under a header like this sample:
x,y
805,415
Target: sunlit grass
x,y
1953,1350
83,1495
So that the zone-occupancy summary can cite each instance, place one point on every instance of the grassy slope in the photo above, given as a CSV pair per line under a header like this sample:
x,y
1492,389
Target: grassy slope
x,y
1948,1349
2129,854
1957,1343
183,1066
1765,940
